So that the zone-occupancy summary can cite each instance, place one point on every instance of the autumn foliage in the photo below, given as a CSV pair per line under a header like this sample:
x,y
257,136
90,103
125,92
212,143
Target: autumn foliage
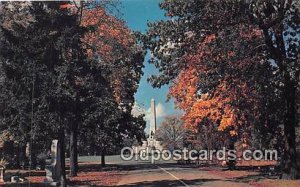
x,y
213,55
108,37
219,105
114,47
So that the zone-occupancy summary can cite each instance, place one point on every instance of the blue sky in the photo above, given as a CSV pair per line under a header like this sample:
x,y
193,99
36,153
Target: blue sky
x,y
136,14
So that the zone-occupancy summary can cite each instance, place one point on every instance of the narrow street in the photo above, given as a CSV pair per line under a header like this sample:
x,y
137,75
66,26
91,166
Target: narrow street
x,y
173,175
169,173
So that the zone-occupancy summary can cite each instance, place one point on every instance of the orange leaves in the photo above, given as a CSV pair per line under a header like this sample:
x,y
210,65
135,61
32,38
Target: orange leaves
x,y
184,90
200,110
209,38
233,133
112,45
213,109
109,35
66,6
228,119
93,16
215,88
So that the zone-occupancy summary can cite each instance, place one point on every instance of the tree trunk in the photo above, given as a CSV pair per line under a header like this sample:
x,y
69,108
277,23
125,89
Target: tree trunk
x,y
73,141
289,158
32,156
22,156
231,163
290,165
103,158
73,150
63,181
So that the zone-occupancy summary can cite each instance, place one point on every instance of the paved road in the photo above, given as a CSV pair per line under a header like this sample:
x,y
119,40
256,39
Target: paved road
x,y
166,173
169,175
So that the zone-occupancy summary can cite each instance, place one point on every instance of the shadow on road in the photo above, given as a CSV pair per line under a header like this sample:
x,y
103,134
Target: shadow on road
x,y
130,166
164,183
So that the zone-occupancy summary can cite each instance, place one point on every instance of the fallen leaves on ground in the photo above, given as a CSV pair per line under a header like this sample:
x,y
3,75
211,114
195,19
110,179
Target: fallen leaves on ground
x,y
96,178
276,182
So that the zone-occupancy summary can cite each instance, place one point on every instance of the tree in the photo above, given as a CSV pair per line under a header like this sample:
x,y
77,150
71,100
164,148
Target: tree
x,y
119,59
115,63
16,88
51,80
214,76
43,60
279,21
172,133
211,74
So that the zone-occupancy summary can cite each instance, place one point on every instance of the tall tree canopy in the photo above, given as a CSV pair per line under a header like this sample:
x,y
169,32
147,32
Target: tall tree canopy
x,y
67,66
230,63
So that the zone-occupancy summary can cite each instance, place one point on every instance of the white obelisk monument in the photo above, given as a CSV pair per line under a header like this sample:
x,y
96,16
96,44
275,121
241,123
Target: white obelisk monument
x,y
151,143
152,119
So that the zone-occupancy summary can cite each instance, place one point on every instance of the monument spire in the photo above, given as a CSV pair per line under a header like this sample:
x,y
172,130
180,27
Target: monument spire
x,y
152,119
151,143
